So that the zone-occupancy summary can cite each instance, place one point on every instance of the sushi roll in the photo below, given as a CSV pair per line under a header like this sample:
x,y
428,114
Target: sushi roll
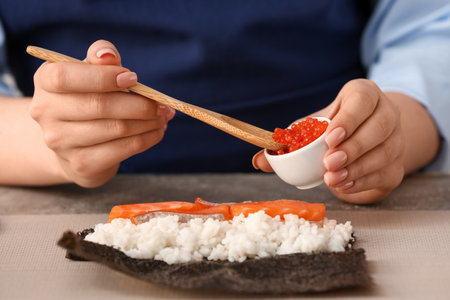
x,y
270,247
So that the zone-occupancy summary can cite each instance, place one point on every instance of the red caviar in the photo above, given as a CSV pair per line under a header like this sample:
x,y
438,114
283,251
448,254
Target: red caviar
x,y
299,134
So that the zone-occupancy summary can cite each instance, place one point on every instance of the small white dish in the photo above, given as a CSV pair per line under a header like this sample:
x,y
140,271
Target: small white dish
x,y
302,168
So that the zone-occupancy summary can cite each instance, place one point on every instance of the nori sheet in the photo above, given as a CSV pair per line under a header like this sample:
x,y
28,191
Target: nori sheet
x,y
281,274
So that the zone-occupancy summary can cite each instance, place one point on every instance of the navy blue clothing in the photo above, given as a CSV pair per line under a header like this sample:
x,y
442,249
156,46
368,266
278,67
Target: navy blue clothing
x,y
263,62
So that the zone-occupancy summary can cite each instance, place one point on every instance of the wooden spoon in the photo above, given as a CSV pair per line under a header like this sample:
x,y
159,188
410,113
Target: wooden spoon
x,y
239,129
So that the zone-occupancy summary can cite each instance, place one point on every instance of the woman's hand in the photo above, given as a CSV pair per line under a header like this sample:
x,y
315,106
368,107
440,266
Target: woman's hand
x,y
366,143
89,120
374,138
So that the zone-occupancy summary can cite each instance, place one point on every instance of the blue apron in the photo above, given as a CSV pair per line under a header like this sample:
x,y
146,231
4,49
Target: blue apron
x,y
264,62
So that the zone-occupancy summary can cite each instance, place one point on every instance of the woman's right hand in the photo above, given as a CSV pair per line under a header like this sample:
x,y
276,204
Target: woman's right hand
x,y
88,119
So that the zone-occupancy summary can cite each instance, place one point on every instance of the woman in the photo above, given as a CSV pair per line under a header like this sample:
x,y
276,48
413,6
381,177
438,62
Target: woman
x,y
267,64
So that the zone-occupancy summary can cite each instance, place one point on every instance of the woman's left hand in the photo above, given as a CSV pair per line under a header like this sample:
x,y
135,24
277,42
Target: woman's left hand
x,y
364,162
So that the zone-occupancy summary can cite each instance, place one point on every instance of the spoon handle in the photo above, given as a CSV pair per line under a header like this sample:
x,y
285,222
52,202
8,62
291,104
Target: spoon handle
x,y
239,129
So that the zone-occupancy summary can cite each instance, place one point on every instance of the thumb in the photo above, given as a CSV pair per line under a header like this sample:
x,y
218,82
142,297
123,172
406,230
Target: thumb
x,y
103,53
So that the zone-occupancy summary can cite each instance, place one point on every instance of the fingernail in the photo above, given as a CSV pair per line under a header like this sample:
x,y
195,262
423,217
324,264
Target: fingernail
x,y
105,52
334,178
335,137
335,160
126,79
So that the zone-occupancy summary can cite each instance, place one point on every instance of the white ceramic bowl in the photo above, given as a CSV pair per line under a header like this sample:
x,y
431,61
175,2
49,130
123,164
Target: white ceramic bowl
x,y
303,167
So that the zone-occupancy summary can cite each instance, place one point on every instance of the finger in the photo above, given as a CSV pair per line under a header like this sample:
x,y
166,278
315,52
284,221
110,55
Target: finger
x,y
260,162
89,161
385,179
372,161
357,101
89,133
84,107
65,77
103,52
166,111
373,132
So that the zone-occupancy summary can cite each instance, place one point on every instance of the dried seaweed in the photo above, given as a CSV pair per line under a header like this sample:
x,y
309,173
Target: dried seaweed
x,y
281,274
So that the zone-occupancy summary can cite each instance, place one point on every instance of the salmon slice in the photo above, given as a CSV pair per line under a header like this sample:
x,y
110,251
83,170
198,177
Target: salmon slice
x,y
132,211
129,211
142,212
305,210
203,207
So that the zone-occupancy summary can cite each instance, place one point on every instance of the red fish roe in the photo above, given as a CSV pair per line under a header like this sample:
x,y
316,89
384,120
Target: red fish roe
x,y
299,135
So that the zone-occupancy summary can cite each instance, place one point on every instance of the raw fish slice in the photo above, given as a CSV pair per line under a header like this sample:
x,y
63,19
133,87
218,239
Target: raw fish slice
x,y
132,211
305,210
128,211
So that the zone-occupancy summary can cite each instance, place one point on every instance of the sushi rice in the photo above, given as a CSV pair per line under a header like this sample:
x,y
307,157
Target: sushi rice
x,y
256,236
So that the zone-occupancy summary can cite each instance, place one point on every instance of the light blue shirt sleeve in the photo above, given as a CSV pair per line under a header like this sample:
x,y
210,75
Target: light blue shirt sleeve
x,y
406,48
7,85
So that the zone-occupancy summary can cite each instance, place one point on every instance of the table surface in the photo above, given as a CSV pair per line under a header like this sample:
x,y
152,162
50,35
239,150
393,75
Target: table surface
x,y
406,236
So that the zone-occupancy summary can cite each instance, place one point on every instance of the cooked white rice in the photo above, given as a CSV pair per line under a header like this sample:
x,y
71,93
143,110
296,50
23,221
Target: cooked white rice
x,y
258,235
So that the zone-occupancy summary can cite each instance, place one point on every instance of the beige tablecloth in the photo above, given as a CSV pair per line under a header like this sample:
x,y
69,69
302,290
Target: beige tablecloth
x,y
408,254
